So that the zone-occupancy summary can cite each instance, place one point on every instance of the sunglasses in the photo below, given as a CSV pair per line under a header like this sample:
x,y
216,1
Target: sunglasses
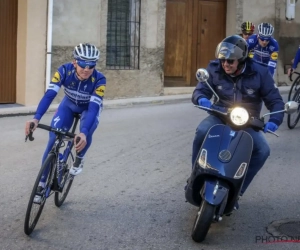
x,y
85,65
247,33
229,61
264,39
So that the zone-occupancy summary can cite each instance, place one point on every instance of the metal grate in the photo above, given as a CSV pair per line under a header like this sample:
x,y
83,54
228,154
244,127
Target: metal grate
x,y
123,34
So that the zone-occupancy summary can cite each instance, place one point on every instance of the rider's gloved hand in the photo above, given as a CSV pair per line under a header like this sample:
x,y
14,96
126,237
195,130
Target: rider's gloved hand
x,y
290,71
270,126
82,142
27,125
204,102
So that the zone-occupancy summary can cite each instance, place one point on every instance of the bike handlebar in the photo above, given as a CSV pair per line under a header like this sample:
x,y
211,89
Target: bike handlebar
x,y
294,72
57,131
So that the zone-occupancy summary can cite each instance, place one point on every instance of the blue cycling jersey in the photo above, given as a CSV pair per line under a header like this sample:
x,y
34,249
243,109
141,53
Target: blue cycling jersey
x,y
296,59
267,55
86,94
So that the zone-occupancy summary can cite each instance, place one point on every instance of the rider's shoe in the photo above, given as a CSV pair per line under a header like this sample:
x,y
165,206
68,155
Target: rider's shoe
x,y
38,196
236,206
76,169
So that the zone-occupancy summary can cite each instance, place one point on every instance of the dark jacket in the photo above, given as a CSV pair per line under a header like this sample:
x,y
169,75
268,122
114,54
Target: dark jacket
x,y
254,86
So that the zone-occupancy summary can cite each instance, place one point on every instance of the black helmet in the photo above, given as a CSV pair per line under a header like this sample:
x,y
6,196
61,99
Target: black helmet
x,y
232,47
248,26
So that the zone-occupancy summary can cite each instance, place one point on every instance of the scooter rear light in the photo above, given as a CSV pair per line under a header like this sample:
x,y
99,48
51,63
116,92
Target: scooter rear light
x,y
240,172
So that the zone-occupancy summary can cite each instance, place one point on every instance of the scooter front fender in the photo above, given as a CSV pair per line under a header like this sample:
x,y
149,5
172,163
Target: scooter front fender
x,y
214,192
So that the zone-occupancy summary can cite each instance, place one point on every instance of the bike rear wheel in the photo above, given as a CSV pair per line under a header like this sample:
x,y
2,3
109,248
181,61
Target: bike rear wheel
x,y
34,210
294,87
67,181
293,119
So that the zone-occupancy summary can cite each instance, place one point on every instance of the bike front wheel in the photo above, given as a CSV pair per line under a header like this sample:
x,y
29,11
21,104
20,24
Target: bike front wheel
x,y
294,87
34,210
293,119
67,181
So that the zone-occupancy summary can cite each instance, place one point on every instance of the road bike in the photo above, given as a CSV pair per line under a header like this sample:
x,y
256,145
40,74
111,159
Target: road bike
x,y
59,161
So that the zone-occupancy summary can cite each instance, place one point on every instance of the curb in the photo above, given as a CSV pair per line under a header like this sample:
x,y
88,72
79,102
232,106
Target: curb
x,y
118,103
109,104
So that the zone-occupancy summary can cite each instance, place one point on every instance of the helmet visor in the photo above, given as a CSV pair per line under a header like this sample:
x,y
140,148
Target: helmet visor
x,y
228,51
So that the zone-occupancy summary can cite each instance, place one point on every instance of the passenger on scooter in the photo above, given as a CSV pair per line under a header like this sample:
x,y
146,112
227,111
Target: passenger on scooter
x,y
239,80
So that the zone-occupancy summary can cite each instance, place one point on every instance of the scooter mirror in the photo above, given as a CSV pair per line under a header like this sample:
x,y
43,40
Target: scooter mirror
x,y
291,107
202,75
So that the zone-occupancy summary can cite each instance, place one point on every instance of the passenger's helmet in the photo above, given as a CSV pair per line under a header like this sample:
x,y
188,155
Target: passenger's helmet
x,y
232,47
265,30
86,52
248,27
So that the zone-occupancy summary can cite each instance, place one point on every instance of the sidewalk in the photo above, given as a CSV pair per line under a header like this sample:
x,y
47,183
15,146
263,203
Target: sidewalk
x,y
17,110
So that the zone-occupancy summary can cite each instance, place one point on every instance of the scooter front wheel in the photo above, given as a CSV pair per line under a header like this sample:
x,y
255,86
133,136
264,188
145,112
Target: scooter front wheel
x,y
203,221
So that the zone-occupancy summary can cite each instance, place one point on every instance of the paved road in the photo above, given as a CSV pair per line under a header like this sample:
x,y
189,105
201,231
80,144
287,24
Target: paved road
x,y
130,194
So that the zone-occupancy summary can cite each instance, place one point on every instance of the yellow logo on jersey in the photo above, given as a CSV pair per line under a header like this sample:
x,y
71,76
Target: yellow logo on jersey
x,y
93,79
274,56
56,77
251,54
100,90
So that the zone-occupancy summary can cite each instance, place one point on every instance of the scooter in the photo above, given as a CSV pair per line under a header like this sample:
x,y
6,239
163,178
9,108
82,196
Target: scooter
x,y
221,166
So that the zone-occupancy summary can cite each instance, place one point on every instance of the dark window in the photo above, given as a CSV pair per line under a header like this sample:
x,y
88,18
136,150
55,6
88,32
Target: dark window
x,y
123,34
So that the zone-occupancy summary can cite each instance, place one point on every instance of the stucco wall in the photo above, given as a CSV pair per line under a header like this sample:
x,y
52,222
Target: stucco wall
x,y
68,31
31,51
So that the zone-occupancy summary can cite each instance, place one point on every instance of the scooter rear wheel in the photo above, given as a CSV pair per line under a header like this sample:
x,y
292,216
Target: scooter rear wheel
x,y
203,221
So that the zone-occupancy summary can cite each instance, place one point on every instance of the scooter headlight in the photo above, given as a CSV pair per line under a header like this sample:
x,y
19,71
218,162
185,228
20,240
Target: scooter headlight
x,y
239,116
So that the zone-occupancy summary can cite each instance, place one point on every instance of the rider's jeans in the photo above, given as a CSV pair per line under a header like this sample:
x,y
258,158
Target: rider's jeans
x,y
260,153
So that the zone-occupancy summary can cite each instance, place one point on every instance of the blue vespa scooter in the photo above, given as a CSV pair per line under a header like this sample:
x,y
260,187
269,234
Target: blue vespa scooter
x,y
221,166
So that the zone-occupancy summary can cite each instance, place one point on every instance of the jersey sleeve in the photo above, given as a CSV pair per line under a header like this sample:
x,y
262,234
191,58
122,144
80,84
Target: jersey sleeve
x,y
273,58
51,92
251,41
296,59
95,106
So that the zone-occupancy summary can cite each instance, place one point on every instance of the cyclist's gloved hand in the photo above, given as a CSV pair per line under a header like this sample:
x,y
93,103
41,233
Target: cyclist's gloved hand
x,y
290,71
270,126
204,102
27,126
81,143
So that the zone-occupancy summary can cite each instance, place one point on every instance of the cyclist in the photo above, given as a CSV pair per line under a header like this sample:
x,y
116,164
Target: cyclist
x,y
295,61
84,88
239,80
247,29
264,46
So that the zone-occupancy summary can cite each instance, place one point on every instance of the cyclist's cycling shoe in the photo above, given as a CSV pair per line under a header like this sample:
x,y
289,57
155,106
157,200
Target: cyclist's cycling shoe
x,y
76,170
39,194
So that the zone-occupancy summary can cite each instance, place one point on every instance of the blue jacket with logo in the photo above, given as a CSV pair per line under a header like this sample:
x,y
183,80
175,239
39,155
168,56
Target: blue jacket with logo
x,y
267,55
87,94
252,87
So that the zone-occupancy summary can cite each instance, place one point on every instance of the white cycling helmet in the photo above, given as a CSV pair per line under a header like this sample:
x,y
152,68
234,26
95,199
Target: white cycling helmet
x,y
265,29
86,52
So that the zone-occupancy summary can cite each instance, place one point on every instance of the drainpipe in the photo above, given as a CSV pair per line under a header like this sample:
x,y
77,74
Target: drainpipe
x,y
49,42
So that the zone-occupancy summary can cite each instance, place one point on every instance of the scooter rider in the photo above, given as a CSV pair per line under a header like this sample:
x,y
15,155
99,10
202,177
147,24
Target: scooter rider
x,y
239,80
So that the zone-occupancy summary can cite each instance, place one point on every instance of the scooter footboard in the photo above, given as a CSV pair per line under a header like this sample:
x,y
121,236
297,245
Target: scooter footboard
x,y
214,191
